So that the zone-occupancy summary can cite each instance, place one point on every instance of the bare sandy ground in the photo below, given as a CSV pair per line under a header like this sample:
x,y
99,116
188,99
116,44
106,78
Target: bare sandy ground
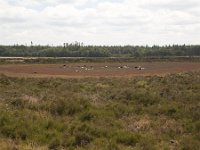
x,y
98,69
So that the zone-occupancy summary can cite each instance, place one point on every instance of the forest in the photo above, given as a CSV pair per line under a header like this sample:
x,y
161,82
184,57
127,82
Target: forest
x,y
79,50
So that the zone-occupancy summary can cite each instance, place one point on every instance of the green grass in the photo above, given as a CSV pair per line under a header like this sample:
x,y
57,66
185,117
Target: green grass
x,y
101,113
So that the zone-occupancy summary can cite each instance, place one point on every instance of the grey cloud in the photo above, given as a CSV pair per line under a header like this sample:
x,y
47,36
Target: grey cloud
x,y
6,20
40,5
127,22
69,24
172,5
101,21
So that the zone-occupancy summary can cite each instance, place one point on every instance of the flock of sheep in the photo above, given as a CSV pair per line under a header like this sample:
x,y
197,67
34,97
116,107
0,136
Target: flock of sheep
x,y
88,68
136,67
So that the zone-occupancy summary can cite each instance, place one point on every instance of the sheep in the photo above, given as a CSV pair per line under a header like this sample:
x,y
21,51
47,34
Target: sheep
x,y
125,67
139,68
64,66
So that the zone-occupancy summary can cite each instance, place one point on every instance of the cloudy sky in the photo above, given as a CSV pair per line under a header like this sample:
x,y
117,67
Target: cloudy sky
x,y
100,22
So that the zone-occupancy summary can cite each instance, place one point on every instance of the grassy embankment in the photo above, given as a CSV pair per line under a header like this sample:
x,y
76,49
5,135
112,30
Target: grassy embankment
x,y
54,60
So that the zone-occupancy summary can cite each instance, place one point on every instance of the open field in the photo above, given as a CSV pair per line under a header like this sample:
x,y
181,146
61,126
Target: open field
x,y
99,69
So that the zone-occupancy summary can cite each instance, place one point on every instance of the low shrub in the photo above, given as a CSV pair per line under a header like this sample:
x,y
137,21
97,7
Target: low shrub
x,y
127,138
82,139
87,116
54,144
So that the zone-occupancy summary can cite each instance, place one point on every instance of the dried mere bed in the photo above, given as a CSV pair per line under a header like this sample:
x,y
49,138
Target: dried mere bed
x,y
101,113
115,69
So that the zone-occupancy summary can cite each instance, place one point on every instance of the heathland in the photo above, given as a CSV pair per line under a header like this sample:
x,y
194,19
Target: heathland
x,y
152,112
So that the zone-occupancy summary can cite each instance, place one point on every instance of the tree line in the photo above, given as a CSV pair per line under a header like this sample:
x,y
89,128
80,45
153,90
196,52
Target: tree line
x,y
80,50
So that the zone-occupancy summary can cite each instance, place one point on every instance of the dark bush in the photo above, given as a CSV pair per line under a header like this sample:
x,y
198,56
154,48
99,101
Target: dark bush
x,y
82,138
127,138
86,116
54,144
171,111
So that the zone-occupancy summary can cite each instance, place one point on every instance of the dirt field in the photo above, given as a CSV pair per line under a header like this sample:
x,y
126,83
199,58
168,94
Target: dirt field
x,y
99,69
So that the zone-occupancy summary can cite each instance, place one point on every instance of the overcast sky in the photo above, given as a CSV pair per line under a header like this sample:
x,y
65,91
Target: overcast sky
x,y
100,22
